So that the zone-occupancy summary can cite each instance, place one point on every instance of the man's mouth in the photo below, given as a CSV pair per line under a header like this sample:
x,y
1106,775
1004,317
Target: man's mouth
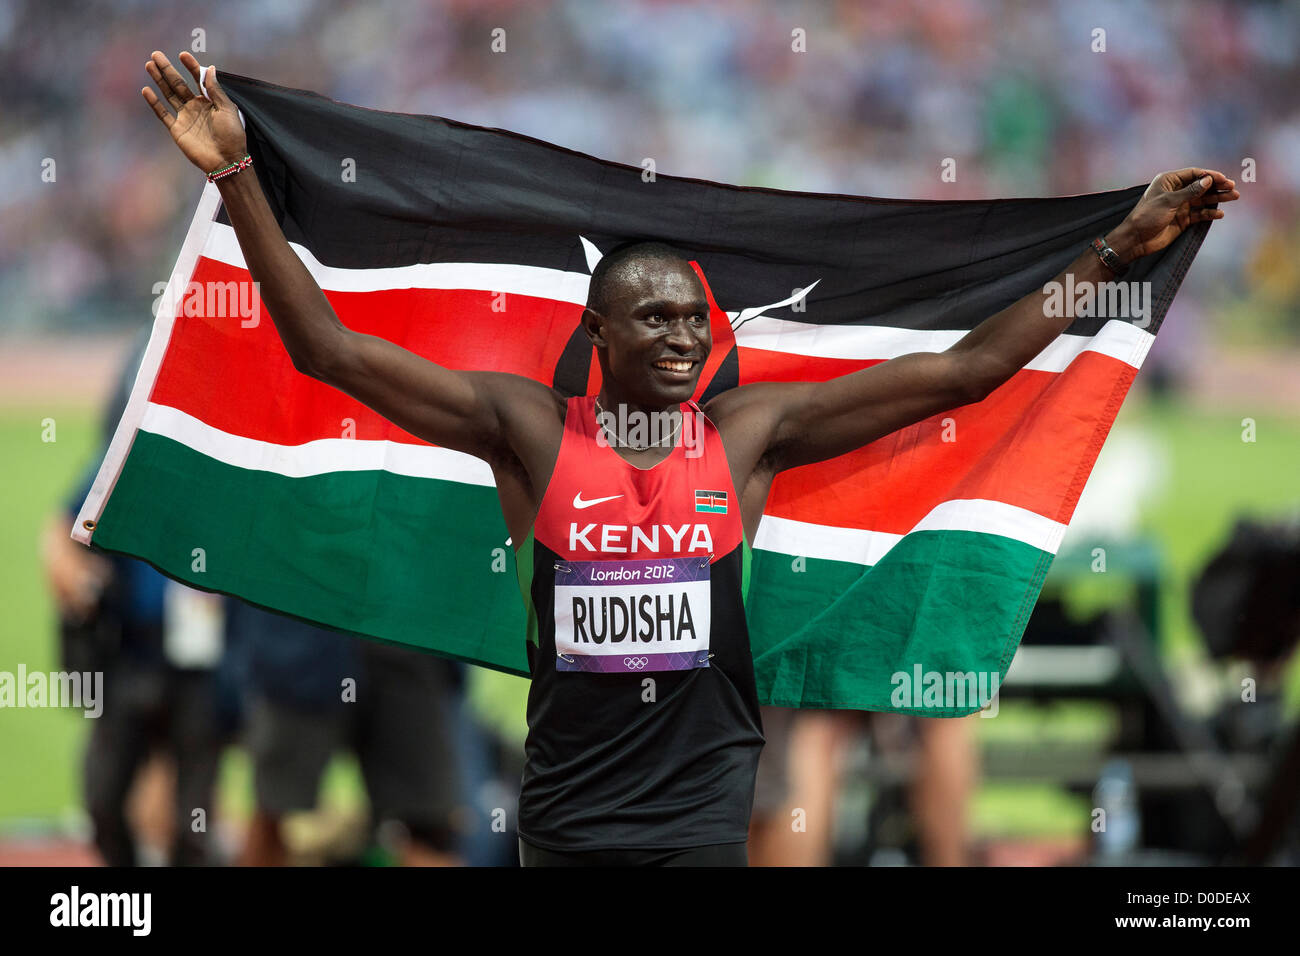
x,y
675,365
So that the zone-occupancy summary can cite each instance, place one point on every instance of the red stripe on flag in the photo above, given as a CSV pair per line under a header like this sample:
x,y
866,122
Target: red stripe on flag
x,y
242,381
724,340
764,365
1007,448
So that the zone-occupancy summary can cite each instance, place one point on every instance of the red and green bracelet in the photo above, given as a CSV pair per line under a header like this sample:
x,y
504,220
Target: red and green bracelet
x,y
230,170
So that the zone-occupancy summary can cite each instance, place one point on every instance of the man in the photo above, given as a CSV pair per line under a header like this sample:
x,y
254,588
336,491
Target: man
x,y
646,756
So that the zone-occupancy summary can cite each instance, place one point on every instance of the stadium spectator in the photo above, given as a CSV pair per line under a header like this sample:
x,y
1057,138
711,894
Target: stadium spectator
x,y
157,643
312,692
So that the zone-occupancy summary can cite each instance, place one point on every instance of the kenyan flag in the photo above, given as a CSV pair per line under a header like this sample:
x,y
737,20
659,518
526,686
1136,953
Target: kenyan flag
x,y
232,472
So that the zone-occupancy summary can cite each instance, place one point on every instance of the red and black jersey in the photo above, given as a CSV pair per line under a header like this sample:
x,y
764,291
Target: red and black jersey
x,y
643,718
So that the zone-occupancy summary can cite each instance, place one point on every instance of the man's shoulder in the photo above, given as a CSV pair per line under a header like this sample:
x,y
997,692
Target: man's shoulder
x,y
749,404
521,396
530,416
747,419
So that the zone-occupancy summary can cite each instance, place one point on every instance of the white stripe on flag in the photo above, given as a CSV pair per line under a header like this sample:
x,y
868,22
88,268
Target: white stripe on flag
x,y
787,536
482,276
1119,339
320,457
329,455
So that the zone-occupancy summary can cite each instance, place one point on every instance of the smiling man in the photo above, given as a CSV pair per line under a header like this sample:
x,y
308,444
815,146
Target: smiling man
x,y
644,722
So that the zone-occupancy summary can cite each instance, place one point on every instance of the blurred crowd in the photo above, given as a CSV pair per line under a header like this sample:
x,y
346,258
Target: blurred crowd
x,y
1021,95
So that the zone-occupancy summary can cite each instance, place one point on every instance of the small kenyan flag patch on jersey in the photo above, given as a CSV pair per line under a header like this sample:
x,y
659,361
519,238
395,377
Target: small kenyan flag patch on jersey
x,y
715,501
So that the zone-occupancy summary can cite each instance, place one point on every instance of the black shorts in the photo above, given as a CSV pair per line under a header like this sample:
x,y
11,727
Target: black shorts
x,y
399,729
719,854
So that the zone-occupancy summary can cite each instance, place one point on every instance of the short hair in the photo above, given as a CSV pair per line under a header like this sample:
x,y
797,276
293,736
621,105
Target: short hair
x,y
602,285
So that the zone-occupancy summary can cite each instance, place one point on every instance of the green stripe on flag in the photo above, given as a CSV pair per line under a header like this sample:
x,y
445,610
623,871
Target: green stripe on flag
x,y
936,599
931,601
367,551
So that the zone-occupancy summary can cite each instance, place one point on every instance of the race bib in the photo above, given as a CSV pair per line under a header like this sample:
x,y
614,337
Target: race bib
x,y
620,617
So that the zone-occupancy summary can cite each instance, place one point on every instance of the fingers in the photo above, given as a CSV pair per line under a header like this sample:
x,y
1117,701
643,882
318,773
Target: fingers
x,y
1220,180
1208,188
209,87
170,82
1203,191
190,63
1225,192
160,111
156,75
1176,180
174,79
1192,182
1212,198
215,91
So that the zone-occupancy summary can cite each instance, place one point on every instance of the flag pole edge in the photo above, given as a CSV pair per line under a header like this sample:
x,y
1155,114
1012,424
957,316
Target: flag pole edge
x,y
124,435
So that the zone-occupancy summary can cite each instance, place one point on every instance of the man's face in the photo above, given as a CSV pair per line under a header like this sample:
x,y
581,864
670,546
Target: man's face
x,y
655,337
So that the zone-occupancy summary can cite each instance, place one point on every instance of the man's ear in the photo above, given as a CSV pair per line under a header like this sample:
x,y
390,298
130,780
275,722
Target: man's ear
x,y
593,325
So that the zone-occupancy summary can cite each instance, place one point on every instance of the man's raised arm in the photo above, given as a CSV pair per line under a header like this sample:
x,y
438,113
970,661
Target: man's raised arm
x,y
819,420
450,408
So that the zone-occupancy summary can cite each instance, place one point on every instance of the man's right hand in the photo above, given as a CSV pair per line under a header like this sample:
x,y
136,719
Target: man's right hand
x,y
77,575
208,131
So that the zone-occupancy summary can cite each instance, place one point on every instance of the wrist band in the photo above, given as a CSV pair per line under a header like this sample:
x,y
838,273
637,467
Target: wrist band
x,y
230,170
1109,257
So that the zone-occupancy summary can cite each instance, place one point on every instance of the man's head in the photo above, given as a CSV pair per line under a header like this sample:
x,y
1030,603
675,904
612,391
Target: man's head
x,y
648,317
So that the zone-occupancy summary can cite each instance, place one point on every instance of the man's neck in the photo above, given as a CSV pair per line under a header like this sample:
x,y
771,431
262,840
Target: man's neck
x,y
634,429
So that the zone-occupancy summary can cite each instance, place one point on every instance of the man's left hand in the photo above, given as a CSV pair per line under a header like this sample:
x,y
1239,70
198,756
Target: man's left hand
x,y
1173,201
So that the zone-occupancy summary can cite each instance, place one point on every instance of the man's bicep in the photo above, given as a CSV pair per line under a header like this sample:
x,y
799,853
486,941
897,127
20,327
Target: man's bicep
x,y
823,420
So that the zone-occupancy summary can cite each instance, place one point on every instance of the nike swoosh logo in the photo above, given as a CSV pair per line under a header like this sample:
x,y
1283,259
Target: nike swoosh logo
x,y
580,504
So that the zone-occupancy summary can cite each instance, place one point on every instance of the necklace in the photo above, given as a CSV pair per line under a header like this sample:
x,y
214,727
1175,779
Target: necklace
x,y
618,440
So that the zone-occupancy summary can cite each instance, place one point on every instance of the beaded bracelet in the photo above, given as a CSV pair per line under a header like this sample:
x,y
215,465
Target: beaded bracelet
x,y
230,170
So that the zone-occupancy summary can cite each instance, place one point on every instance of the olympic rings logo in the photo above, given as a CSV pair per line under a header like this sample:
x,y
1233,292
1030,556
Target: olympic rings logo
x,y
636,663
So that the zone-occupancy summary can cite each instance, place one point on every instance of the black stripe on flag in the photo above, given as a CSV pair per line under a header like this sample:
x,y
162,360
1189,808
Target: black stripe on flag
x,y
429,189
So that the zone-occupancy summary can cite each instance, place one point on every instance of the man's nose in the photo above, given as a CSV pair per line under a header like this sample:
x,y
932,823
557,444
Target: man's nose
x,y
682,336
